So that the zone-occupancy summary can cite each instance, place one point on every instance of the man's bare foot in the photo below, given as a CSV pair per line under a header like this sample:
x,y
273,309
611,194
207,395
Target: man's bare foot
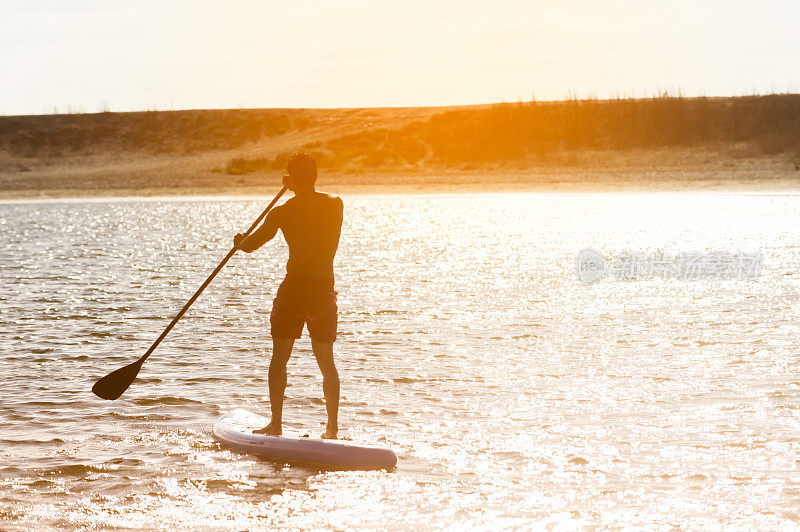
x,y
330,433
270,430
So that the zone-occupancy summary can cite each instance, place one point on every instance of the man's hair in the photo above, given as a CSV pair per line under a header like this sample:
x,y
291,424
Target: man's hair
x,y
303,168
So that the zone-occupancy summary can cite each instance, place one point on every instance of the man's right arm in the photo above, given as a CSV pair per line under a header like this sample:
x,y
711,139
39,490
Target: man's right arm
x,y
260,236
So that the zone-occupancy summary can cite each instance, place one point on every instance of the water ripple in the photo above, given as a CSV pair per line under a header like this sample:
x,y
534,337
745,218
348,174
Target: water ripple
x,y
515,396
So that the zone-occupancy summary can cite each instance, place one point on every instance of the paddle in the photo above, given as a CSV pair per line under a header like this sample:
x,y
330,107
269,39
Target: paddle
x,y
115,383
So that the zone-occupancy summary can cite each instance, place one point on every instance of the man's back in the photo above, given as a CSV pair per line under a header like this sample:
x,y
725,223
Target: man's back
x,y
311,225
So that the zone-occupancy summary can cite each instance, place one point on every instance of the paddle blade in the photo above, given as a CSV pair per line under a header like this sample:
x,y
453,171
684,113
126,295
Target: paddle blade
x,y
115,383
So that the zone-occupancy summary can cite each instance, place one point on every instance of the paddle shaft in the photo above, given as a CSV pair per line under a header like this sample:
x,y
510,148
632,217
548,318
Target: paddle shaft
x,y
221,265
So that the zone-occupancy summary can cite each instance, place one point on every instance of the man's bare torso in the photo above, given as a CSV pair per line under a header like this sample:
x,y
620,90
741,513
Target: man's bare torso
x,y
311,225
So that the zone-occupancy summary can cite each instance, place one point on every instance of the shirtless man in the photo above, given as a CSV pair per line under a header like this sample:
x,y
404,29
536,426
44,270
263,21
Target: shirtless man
x,y
311,223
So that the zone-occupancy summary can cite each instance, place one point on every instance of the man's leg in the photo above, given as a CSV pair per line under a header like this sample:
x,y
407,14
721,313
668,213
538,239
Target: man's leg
x,y
323,352
281,351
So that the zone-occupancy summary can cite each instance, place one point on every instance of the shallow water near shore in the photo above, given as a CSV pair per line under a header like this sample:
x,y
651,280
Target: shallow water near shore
x,y
513,394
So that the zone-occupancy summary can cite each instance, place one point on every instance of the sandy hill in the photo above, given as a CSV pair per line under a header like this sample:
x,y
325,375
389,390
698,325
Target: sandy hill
x,y
242,150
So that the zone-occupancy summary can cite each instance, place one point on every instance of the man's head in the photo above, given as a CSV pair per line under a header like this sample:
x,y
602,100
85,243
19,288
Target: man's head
x,y
302,170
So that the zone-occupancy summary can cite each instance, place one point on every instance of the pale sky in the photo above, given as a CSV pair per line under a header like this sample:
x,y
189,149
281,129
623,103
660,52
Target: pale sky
x,y
84,55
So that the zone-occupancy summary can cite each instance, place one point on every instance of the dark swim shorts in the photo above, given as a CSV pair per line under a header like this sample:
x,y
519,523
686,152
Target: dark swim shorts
x,y
305,299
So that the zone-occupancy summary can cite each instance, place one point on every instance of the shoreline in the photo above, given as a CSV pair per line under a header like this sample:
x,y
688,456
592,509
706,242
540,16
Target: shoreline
x,y
720,185
671,171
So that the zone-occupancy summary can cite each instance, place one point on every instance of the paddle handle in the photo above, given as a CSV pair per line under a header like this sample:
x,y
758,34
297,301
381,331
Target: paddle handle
x,y
210,278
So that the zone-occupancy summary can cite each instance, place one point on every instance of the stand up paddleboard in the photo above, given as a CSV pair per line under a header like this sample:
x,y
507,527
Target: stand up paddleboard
x,y
235,431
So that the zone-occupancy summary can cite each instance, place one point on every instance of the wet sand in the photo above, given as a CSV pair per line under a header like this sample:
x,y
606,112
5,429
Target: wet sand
x,y
192,176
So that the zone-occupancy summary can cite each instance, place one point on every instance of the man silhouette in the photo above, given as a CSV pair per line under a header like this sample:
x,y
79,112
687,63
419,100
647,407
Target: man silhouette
x,y
311,223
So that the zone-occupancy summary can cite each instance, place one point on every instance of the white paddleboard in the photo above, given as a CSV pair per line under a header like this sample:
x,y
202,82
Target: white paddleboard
x,y
235,431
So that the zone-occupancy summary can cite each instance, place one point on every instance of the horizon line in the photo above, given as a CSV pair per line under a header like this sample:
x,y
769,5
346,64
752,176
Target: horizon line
x,y
618,96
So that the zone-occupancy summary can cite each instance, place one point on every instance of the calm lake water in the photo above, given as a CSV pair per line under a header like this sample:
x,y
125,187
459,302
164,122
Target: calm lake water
x,y
513,394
